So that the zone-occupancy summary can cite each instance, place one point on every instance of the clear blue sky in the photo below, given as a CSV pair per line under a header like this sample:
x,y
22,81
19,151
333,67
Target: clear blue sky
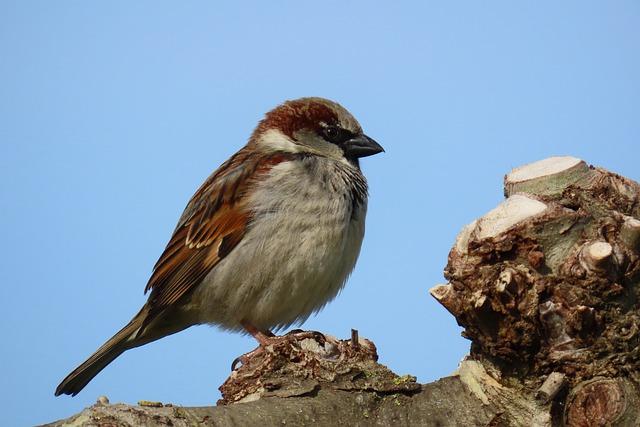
x,y
112,113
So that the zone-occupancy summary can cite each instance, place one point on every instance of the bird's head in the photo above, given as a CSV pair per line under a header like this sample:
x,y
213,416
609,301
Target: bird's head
x,y
315,126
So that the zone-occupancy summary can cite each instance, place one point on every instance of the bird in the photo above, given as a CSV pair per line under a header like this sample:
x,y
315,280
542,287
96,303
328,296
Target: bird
x,y
268,239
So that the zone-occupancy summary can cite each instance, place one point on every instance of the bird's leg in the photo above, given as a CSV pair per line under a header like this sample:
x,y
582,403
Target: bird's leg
x,y
264,337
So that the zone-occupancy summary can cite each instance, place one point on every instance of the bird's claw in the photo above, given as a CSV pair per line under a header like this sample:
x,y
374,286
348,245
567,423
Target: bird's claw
x,y
235,362
244,359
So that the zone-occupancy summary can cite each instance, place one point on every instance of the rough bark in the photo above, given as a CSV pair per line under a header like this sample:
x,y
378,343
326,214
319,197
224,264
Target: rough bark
x,y
545,287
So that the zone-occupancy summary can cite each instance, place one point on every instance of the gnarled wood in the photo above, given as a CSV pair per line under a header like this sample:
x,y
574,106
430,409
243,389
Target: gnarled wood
x,y
557,293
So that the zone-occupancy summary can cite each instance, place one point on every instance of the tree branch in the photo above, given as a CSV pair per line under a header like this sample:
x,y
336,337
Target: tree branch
x,y
546,286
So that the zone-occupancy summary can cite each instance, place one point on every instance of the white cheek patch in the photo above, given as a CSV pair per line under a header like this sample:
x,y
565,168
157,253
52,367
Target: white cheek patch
x,y
278,141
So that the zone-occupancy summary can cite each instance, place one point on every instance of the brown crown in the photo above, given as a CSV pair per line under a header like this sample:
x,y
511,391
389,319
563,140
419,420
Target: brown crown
x,y
303,113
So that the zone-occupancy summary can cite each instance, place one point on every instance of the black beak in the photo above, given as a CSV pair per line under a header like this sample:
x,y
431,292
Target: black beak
x,y
361,146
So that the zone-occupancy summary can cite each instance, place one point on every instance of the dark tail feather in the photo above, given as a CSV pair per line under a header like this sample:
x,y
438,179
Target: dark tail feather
x,y
118,344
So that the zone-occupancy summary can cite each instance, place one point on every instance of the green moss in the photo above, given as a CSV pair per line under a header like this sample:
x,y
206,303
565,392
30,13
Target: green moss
x,y
404,379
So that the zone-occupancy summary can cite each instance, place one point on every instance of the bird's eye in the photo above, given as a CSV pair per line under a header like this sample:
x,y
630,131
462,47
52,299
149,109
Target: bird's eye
x,y
335,134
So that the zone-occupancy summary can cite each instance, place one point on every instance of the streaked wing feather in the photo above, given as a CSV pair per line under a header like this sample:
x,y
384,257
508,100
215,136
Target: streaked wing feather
x,y
213,223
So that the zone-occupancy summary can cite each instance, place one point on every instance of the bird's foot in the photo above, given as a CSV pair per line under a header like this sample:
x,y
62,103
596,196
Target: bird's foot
x,y
244,359
268,341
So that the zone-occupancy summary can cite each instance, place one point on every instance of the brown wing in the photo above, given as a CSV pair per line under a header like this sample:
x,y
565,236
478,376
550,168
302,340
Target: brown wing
x,y
213,223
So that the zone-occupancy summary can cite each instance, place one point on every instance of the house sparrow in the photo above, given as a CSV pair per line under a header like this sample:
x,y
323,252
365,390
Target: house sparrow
x,y
269,238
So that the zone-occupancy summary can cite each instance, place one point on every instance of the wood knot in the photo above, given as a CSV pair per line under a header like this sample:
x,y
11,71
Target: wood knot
x,y
602,402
